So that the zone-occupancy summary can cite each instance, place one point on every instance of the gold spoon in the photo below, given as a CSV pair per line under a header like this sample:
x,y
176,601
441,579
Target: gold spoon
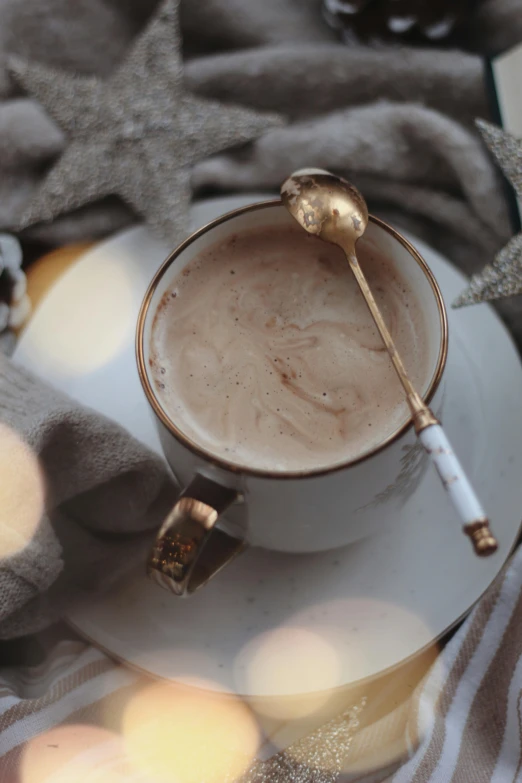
x,y
333,210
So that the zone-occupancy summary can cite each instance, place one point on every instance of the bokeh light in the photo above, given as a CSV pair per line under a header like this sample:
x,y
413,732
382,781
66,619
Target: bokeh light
x,y
75,754
21,493
89,324
179,734
368,635
291,670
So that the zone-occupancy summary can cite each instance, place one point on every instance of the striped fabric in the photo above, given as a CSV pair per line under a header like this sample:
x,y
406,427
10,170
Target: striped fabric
x,y
462,725
469,712
70,687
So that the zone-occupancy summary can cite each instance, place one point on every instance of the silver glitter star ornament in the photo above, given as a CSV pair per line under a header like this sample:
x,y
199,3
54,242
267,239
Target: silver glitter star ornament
x,y
504,276
317,758
136,134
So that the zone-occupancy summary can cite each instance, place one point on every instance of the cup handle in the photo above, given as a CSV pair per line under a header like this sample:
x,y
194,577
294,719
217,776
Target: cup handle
x,y
189,549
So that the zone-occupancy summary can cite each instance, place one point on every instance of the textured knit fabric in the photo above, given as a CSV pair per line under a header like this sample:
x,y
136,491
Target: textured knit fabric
x,y
91,493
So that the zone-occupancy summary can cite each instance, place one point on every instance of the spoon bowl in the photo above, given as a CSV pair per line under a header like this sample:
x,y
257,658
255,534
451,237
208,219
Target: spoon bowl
x,y
327,206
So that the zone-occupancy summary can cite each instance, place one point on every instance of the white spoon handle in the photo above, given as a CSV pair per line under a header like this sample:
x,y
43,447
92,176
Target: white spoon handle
x,y
458,487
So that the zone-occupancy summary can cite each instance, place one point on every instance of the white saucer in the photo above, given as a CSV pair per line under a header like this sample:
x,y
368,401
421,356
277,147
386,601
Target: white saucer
x,y
359,610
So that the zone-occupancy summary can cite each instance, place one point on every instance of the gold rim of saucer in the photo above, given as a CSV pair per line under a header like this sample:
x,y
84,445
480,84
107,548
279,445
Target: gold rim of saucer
x,y
256,472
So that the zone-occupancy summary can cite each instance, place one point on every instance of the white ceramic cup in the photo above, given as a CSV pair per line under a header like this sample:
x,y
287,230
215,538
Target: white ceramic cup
x,y
223,507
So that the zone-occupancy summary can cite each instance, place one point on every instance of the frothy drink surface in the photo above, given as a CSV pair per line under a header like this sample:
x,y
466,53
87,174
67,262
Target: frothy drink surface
x,y
264,353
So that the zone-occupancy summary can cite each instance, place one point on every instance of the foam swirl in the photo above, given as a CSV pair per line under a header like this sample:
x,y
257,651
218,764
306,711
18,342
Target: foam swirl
x,y
264,352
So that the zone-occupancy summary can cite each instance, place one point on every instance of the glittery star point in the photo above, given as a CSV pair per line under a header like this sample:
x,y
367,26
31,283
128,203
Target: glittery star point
x,y
136,134
316,758
503,277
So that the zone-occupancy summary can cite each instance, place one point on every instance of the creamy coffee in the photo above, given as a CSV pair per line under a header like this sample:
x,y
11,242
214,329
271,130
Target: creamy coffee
x,y
264,353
